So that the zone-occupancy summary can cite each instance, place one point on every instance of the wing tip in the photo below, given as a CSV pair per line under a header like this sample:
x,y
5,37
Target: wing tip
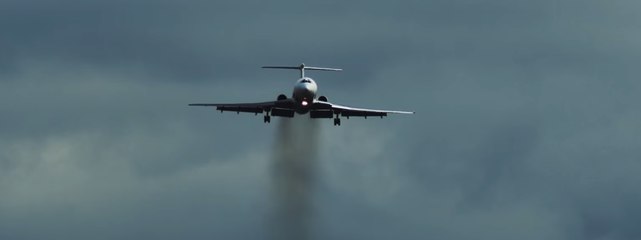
x,y
405,112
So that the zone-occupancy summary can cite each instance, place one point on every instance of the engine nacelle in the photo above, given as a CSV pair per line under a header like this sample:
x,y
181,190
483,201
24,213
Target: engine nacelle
x,y
322,98
281,97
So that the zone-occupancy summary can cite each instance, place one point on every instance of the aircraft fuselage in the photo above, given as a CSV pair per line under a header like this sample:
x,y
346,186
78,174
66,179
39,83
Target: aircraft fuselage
x,y
304,94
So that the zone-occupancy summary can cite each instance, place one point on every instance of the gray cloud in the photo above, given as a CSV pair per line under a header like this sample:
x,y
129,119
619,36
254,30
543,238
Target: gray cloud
x,y
526,124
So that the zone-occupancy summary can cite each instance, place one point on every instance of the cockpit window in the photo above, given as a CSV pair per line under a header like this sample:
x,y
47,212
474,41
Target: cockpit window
x,y
306,81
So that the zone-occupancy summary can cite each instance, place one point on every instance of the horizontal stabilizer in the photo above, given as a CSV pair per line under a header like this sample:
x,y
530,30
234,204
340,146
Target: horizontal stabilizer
x,y
302,68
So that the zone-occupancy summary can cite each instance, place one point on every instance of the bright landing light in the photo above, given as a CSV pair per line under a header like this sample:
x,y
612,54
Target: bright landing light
x,y
304,103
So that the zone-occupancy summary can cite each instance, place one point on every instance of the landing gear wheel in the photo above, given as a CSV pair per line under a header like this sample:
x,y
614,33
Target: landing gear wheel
x,y
267,119
337,121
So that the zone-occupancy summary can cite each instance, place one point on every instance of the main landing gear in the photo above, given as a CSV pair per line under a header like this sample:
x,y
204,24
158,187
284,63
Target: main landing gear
x,y
337,121
267,118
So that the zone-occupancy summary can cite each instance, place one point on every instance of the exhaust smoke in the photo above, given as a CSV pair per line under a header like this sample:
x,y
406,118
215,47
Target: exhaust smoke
x,y
293,178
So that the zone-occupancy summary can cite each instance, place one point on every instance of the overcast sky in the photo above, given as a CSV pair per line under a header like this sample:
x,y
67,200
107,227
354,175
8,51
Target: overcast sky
x,y
527,124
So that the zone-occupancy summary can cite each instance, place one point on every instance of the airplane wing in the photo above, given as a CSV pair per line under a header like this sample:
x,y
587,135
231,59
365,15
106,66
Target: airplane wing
x,y
354,112
287,108
255,108
239,107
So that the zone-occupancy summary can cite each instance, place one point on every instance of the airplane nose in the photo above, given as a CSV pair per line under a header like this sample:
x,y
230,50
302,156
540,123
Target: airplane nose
x,y
303,87
308,87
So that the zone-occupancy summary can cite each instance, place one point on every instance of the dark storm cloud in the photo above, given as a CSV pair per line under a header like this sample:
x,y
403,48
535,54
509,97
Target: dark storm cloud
x,y
527,125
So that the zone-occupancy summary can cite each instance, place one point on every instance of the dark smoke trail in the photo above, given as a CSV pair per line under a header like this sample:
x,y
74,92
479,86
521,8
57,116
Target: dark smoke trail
x,y
293,177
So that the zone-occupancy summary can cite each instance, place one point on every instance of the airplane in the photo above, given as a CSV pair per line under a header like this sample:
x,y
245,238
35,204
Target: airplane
x,y
303,101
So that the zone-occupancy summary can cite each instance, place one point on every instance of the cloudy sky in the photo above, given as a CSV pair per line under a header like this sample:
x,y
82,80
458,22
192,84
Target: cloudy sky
x,y
527,123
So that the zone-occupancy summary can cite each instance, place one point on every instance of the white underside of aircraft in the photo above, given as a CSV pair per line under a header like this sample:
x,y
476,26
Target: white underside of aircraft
x,y
303,101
